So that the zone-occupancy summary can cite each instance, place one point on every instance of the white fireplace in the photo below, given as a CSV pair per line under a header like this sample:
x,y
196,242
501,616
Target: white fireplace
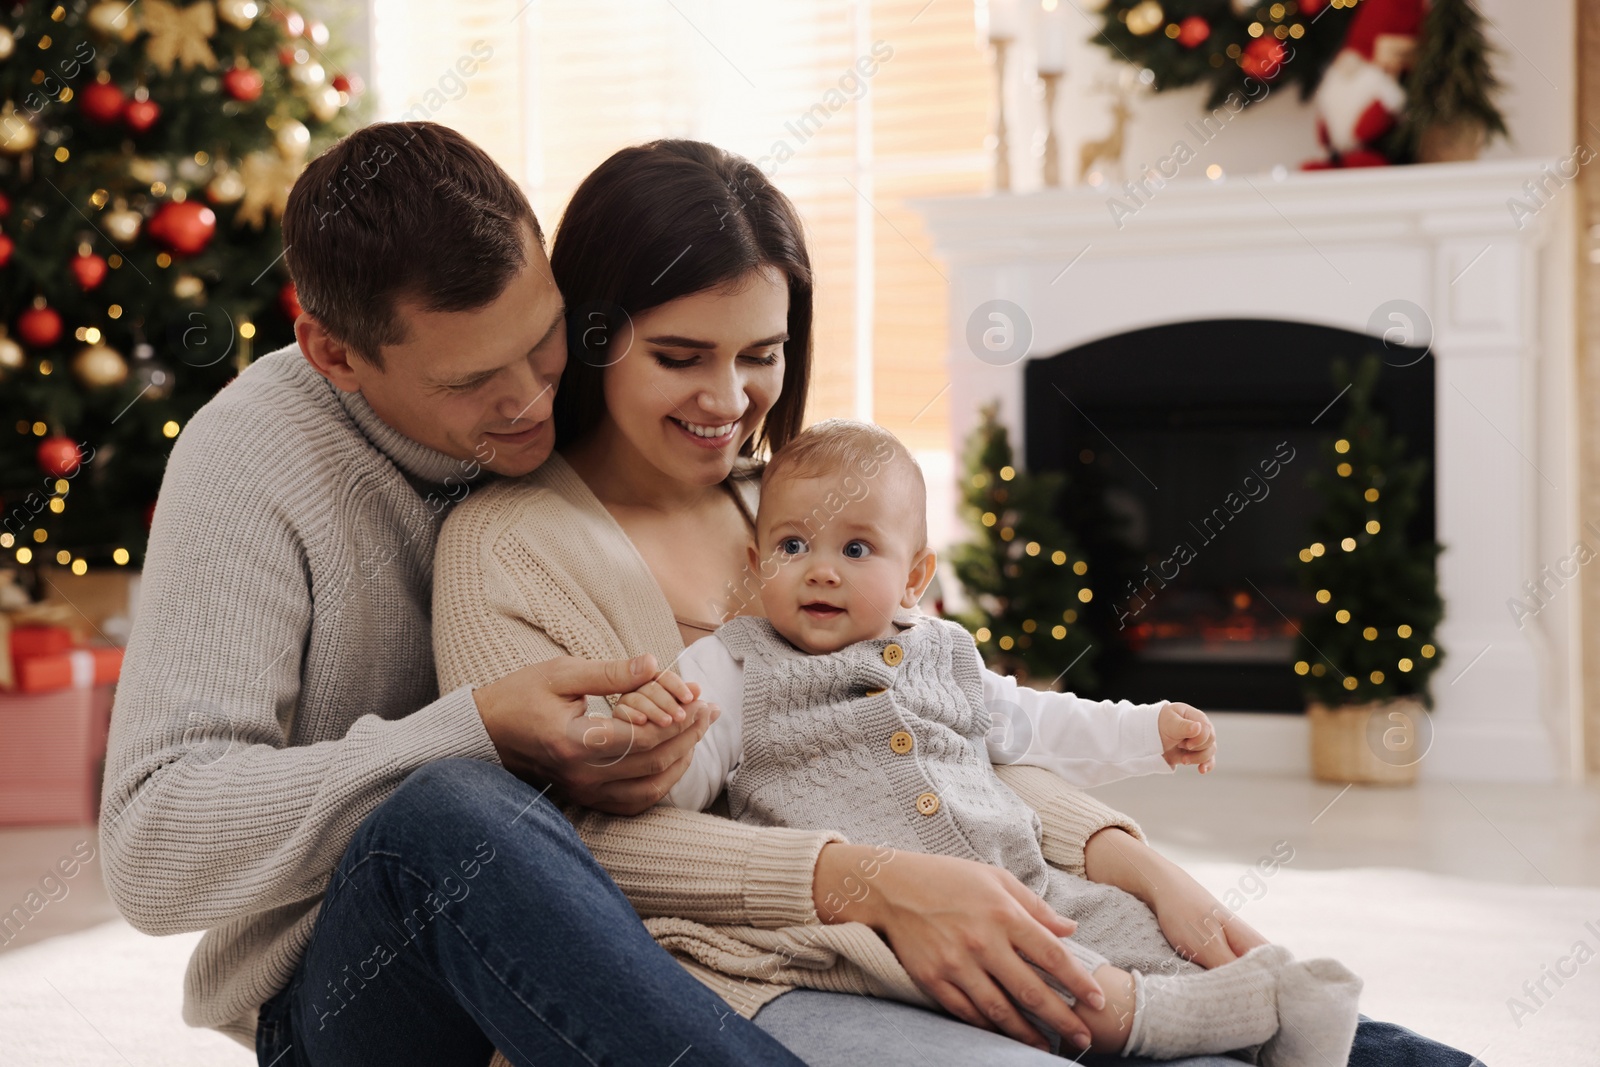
x,y
1339,249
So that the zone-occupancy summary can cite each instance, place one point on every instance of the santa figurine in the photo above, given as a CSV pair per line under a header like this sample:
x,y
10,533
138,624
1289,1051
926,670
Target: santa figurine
x,y
1361,99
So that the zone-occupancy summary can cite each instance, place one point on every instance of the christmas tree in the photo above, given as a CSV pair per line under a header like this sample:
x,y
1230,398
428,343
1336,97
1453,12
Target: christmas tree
x,y
1220,43
1376,586
1453,80
146,154
1027,582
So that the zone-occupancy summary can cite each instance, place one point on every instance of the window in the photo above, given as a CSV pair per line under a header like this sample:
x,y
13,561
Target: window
x,y
852,106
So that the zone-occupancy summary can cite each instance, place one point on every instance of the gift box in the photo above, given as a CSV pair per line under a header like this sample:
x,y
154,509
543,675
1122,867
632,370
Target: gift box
x,y
52,755
78,668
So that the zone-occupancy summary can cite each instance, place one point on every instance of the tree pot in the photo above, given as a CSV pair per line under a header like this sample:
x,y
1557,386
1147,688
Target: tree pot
x,y
1451,142
1377,743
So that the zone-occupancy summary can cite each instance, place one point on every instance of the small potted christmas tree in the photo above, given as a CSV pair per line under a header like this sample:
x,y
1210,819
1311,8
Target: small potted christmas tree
x,y
1450,110
1027,582
1365,655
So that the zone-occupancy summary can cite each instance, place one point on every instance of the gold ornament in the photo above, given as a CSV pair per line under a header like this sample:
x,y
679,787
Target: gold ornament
x,y
11,355
149,171
240,14
122,225
267,180
179,36
8,42
309,74
293,139
1146,17
226,188
100,365
188,287
114,19
17,134
325,103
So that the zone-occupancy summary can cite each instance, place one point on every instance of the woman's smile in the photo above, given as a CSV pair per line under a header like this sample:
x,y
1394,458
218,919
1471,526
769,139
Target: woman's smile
x,y
707,436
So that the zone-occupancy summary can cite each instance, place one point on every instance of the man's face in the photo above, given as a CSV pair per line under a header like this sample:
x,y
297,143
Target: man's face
x,y
478,385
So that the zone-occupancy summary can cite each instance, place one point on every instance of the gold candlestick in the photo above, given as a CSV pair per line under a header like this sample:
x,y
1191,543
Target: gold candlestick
x,y
1052,145
1002,147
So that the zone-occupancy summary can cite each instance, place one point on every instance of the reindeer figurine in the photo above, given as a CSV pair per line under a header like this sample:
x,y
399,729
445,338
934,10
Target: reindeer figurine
x,y
1108,150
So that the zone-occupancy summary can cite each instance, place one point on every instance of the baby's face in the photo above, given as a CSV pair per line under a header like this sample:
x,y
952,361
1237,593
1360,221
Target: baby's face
x,y
844,562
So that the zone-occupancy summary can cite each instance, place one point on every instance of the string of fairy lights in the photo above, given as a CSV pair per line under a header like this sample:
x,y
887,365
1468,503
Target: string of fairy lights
x,y
1404,664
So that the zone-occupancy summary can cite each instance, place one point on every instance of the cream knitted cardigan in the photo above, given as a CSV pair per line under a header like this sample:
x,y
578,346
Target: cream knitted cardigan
x,y
534,568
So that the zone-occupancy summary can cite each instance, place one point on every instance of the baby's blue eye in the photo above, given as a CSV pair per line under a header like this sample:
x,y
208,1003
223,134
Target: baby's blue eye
x,y
857,550
791,546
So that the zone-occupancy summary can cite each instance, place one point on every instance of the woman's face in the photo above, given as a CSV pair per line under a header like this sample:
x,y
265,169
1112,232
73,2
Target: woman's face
x,y
698,376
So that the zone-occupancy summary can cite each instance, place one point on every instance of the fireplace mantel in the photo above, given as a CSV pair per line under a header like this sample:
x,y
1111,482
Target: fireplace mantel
x,y
1338,249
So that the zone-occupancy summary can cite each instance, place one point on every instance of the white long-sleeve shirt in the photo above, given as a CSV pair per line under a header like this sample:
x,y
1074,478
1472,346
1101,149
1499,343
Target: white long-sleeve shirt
x,y
1086,742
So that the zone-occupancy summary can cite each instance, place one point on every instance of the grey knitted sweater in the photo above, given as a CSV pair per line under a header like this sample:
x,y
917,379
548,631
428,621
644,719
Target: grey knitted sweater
x,y
279,680
885,741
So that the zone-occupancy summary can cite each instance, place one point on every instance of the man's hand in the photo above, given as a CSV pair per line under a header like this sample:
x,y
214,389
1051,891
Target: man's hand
x,y
1187,736
537,719
961,929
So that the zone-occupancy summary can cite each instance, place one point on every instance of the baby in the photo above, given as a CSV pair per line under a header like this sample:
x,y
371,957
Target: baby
x,y
844,709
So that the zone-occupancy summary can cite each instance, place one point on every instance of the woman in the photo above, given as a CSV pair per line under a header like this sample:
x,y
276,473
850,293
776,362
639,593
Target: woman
x,y
689,332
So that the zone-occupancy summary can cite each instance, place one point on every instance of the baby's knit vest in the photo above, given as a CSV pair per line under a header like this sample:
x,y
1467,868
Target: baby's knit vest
x,y
883,741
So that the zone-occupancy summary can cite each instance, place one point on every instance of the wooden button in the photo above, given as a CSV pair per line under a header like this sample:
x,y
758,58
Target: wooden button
x,y
893,654
901,742
876,692
927,804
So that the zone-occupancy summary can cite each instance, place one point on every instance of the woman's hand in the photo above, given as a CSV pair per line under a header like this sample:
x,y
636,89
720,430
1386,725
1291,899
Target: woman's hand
x,y
537,719
1195,922
961,930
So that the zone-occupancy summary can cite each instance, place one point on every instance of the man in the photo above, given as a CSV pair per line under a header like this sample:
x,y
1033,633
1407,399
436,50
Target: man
x,y
373,883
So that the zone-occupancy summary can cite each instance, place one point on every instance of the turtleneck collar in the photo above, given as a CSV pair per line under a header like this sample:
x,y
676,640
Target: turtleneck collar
x,y
420,463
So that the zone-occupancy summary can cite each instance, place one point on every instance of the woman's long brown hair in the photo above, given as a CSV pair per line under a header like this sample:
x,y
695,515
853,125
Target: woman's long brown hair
x,y
663,220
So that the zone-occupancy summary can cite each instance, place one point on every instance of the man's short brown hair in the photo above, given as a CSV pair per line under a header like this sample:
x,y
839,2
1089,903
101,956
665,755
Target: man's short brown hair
x,y
402,210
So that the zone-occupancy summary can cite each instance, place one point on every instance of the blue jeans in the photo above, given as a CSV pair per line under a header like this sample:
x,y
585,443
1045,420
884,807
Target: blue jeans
x,y
466,915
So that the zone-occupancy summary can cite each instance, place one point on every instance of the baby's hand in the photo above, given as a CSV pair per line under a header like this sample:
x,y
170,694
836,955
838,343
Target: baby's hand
x,y
1187,737
660,700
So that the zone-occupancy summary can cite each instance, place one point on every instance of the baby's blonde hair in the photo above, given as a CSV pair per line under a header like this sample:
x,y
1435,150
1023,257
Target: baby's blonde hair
x,y
845,446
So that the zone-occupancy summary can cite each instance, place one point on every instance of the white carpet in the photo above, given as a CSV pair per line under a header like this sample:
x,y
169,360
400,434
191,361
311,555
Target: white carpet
x,y
1441,955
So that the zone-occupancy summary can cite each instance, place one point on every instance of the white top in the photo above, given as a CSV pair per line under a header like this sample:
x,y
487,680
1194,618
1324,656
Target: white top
x,y
1086,742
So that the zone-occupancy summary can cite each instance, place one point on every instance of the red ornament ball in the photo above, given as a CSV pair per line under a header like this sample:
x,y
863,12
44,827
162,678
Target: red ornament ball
x,y
289,301
243,83
1193,31
39,327
185,227
102,102
140,115
59,456
5,205
1263,58
6,247
90,270
348,83
150,515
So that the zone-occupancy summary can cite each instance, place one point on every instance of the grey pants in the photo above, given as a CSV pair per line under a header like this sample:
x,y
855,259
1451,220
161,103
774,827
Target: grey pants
x,y
842,1030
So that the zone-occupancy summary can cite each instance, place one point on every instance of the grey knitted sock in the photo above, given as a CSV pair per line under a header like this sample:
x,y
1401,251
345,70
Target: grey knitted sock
x,y
1231,1007
1317,1015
